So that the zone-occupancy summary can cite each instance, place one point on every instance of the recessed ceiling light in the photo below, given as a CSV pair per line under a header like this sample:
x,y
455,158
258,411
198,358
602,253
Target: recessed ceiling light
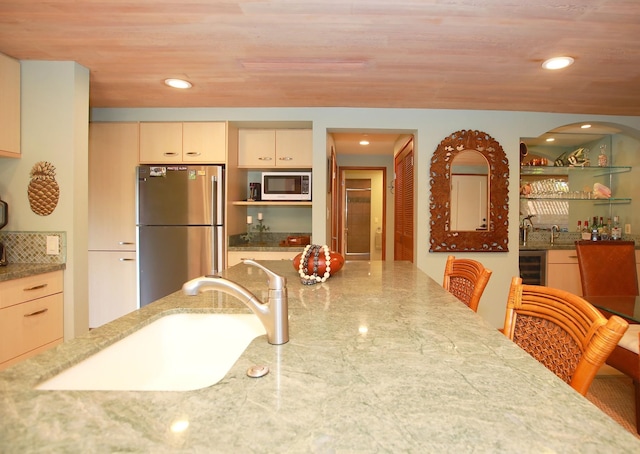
x,y
550,139
178,83
557,63
364,142
585,126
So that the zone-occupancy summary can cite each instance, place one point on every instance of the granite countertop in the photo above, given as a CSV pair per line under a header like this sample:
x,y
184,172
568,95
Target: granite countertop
x,y
266,247
20,270
380,359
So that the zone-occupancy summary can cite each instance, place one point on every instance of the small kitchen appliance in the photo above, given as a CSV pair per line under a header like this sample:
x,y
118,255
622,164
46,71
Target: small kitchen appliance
x,y
293,186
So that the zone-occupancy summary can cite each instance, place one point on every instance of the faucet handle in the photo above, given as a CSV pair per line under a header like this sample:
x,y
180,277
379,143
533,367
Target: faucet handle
x,y
276,282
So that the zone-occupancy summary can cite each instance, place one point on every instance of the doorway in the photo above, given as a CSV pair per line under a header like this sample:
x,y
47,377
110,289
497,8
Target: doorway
x,y
362,213
357,219
376,149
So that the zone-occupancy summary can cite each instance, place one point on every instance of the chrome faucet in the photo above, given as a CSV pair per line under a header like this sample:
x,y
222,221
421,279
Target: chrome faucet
x,y
527,225
554,228
274,314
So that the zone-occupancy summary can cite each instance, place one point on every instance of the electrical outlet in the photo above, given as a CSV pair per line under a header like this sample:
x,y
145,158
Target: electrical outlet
x,y
627,229
53,245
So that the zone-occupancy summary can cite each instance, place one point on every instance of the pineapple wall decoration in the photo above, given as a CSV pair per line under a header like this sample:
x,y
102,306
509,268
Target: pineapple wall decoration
x,y
43,190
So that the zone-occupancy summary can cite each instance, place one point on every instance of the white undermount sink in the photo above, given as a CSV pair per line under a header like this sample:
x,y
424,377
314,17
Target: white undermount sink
x,y
178,352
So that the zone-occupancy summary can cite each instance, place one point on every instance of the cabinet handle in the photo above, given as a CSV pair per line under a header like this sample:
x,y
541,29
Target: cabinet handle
x,y
193,153
125,243
124,259
573,256
285,158
265,158
41,311
35,287
170,153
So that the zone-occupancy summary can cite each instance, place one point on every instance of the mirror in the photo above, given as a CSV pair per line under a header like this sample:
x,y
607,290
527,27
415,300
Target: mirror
x,y
469,151
469,190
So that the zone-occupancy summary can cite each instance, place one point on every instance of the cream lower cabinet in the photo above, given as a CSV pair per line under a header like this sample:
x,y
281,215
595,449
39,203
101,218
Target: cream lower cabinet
x,y
31,316
235,257
563,272
112,285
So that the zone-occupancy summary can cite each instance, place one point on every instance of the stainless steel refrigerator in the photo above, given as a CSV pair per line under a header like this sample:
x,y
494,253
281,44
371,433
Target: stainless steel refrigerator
x,y
180,226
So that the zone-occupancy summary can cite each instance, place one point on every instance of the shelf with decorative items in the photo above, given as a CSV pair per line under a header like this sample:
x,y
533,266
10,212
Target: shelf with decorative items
x,y
571,170
563,194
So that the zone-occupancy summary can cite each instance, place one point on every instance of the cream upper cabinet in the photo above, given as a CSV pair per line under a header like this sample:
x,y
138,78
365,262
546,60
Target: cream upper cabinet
x,y
10,107
275,148
113,156
198,142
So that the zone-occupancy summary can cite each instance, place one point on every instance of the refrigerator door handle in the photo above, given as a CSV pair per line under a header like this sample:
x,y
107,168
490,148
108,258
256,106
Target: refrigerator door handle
x,y
214,201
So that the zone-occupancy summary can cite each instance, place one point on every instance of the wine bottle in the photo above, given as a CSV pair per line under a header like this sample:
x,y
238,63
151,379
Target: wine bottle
x,y
616,231
594,229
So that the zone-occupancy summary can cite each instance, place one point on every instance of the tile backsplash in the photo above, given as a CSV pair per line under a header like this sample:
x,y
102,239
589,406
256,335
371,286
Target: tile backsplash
x,y
31,247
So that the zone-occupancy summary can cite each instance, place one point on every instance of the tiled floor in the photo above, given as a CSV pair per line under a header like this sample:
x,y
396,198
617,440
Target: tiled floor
x,y
613,393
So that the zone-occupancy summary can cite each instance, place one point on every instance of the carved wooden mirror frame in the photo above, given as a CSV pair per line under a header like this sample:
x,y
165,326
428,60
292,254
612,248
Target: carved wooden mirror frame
x,y
496,237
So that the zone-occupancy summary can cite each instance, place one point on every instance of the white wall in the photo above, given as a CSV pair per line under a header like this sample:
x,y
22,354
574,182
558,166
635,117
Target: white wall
x,y
55,113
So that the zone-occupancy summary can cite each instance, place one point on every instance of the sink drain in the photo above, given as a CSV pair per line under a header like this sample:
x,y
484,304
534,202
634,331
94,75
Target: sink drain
x,y
257,371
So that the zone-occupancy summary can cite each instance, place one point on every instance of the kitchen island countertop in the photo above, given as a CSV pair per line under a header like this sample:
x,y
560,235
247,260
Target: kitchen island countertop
x,y
381,359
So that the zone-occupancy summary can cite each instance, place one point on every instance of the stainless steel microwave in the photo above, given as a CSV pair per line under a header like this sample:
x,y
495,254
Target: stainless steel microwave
x,y
286,186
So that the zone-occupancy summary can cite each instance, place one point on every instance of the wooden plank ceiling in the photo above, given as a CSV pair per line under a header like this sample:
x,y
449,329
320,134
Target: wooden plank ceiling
x,y
440,54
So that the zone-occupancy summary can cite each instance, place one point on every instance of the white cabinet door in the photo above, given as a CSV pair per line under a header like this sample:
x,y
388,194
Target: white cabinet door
x,y
112,286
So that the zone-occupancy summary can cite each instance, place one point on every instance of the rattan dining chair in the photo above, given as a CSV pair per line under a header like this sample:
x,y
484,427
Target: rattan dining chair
x,y
466,279
562,331
608,268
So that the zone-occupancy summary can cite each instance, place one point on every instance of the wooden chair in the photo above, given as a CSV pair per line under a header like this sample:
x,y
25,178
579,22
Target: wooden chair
x,y
608,268
562,331
466,279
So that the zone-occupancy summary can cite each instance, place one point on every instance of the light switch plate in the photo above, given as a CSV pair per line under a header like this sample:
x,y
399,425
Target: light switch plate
x,y
53,245
627,229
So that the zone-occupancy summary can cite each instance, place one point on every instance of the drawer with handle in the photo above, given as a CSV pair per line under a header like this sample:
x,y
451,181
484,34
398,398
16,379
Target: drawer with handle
x,y
30,326
29,288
